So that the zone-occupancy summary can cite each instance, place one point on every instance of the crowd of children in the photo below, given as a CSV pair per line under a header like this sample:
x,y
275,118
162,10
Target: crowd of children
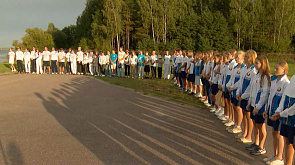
x,y
235,85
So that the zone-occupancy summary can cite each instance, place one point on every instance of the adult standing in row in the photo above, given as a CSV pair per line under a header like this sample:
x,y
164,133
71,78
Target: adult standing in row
x,y
54,57
46,60
19,59
79,60
121,59
33,60
61,59
11,59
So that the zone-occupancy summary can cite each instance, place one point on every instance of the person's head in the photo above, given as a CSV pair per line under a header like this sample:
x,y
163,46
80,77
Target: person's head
x,y
231,54
262,65
281,68
167,52
102,53
239,57
45,48
34,48
113,51
10,49
153,52
61,50
53,49
121,49
217,58
108,52
91,53
127,51
190,54
37,50
140,52
79,49
133,53
146,53
86,51
180,52
84,54
250,57
26,50
73,51
96,53
70,49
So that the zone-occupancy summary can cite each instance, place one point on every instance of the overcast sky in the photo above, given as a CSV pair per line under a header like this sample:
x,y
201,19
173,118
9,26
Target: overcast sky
x,y
17,15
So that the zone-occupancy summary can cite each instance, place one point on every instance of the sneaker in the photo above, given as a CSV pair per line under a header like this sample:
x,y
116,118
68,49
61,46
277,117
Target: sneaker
x,y
229,124
276,161
269,158
236,130
229,128
251,147
203,100
212,110
258,151
243,140
225,121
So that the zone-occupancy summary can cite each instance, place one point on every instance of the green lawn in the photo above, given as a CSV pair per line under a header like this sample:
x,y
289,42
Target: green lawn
x,y
5,68
155,87
290,64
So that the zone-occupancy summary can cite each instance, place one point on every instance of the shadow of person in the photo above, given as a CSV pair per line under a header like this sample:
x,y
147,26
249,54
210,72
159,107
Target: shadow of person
x,y
14,154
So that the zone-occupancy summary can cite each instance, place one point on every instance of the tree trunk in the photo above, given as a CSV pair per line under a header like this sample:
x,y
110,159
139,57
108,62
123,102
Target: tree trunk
x,y
153,30
281,22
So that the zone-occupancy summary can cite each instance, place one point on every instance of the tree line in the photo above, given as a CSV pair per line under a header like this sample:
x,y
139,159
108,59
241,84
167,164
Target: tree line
x,y
199,25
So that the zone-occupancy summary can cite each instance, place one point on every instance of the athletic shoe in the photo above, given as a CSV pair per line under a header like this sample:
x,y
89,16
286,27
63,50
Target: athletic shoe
x,y
276,161
226,120
230,123
212,110
203,100
243,140
236,130
273,157
258,151
251,147
229,128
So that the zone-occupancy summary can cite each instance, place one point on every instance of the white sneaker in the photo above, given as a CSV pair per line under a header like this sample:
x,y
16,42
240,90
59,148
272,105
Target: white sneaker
x,y
230,123
223,118
269,158
212,110
236,130
276,162
226,121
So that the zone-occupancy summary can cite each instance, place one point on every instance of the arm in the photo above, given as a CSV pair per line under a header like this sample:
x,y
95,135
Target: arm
x,y
264,94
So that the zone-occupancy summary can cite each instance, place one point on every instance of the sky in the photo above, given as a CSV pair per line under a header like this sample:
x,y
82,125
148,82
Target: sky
x,y
17,15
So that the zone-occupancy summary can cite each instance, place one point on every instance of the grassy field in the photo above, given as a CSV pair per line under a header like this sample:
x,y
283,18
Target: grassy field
x,y
5,68
291,68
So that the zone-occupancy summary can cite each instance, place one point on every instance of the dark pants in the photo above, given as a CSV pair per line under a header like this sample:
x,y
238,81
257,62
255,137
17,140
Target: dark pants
x,y
68,67
160,72
95,69
53,66
127,70
79,66
20,66
153,71
33,63
85,68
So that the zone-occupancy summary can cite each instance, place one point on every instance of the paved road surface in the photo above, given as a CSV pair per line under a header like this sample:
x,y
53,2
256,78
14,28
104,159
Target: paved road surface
x,y
53,119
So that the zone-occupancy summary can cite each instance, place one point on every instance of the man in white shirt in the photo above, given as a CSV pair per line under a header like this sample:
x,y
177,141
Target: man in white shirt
x,y
90,62
46,60
61,60
68,65
19,59
54,57
102,64
121,59
33,60
167,62
79,60
154,63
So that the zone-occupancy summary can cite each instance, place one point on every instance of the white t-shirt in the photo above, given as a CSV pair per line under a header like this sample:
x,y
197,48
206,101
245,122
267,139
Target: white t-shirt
x,y
33,54
120,56
27,56
73,57
133,60
191,65
11,55
54,55
167,59
183,61
102,60
90,59
61,56
80,56
19,55
153,60
46,55
68,57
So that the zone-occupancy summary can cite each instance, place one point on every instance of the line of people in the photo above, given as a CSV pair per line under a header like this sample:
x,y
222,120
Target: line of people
x,y
238,87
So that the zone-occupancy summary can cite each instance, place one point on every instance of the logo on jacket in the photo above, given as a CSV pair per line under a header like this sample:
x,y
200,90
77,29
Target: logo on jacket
x,y
279,89
248,74
239,72
230,68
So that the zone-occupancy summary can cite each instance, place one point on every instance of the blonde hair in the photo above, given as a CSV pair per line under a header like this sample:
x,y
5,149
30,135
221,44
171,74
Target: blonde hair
x,y
284,65
240,53
265,69
190,54
252,55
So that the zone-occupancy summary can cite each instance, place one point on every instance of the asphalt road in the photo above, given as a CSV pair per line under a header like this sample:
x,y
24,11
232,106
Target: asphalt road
x,y
54,119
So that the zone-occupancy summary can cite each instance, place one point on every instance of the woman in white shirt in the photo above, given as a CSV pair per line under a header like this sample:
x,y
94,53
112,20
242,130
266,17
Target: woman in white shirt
x,y
167,62
133,64
11,59
73,62
27,57
39,62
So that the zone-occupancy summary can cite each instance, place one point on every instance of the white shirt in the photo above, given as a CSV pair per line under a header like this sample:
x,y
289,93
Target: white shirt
x,y
73,57
133,60
246,77
27,56
61,56
85,60
39,56
33,55
80,56
102,60
90,59
46,55
107,59
153,60
68,57
120,56
215,77
11,54
191,65
167,59
183,61
19,55
54,55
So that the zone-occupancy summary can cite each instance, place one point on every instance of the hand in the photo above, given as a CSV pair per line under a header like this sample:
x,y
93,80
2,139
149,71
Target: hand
x,y
239,98
210,83
229,89
248,108
255,111
219,87
264,115
275,117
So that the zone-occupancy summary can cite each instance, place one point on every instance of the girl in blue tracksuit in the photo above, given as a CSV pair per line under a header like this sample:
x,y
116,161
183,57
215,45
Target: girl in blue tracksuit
x,y
198,70
286,113
232,87
279,83
257,103
243,94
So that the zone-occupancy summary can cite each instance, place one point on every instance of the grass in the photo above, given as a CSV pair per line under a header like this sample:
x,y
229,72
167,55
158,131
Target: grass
x,y
5,68
291,65
156,87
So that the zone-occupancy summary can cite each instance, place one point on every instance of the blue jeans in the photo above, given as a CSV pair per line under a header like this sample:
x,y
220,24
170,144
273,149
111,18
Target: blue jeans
x,y
121,70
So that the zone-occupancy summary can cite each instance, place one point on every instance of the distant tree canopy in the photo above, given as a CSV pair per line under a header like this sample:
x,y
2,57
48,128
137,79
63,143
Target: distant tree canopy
x,y
262,25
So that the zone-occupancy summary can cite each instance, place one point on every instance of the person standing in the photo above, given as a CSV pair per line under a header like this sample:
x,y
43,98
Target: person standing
x,y
167,59
19,59
11,59
133,63
73,62
46,60
79,60
154,63
54,61
27,56
121,58
140,63
38,55
113,61
102,64
160,62
126,64
108,67
90,62
33,60
95,65
61,59
68,65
